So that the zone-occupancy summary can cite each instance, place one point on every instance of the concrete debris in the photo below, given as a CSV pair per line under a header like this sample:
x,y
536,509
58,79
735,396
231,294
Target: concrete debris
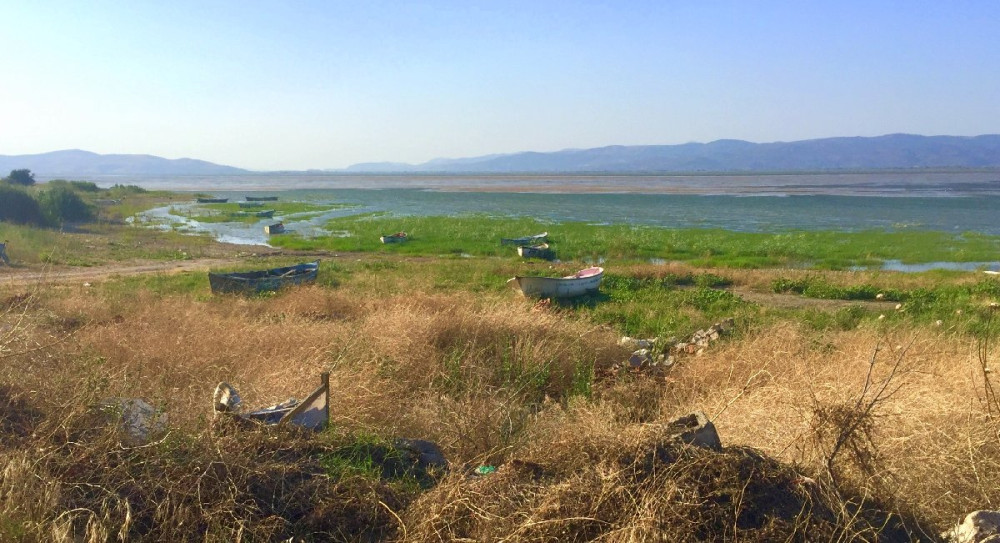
x,y
695,429
978,527
659,353
140,420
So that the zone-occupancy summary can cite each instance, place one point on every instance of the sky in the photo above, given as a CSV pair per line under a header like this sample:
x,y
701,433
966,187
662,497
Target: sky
x,y
325,84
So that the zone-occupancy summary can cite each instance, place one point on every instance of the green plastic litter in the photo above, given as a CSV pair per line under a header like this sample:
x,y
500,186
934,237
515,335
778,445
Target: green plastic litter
x,y
485,470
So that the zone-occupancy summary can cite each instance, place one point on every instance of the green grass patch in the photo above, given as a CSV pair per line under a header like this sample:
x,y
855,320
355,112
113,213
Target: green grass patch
x,y
480,235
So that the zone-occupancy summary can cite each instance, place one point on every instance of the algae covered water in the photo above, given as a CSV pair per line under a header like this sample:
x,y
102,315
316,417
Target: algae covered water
x,y
735,213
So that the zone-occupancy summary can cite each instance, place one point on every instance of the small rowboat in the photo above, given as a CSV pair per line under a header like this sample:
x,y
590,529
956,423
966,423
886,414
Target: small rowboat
x,y
526,240
261,198
581,282
276,228
212,200
250,282
535,251
250,204
398,237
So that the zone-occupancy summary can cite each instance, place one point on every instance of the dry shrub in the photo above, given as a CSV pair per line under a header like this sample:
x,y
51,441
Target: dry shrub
x,y
928,446
595,480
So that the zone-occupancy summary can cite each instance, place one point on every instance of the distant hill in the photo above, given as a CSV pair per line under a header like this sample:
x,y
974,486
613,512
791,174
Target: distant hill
x,y
895,151
76,162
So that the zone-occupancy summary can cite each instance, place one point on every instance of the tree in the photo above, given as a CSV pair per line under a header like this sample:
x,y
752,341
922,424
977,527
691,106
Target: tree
x,y
21,177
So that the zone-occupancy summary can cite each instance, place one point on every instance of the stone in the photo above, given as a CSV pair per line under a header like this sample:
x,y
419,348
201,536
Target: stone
x,y
640,358
426,455
978,527
695,429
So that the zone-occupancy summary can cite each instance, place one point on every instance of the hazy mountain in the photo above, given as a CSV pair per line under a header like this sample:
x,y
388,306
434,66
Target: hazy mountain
x,y
895,151
76,162
883,152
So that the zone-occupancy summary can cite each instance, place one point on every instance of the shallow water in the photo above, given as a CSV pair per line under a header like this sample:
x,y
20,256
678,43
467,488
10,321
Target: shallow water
x,y
743,214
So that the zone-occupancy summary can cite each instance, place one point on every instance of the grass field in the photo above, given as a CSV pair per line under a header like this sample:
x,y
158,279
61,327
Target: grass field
x,y
853,405
480,236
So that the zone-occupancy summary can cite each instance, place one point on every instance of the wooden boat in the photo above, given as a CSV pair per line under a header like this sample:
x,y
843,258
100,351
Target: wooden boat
x,y
581,282
398,237
250,204
526,240
212,200
250,282
261,198
276,228
535,251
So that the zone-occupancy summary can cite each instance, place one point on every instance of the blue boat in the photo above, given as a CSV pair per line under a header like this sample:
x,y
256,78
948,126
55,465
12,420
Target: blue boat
x,y
251,282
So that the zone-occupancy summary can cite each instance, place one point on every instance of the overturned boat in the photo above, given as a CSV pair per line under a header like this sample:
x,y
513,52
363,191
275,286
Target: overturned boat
x,y
251,282
212,200
581,282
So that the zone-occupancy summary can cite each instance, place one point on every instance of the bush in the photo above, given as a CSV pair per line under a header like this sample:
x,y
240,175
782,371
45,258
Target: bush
x,y
61,204
17,206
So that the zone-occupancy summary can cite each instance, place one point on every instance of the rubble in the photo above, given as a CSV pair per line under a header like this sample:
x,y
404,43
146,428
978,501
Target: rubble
x,y
978,527
660,354
140,420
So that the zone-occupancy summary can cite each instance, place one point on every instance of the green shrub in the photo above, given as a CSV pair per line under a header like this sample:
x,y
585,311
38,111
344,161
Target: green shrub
x,y
17,206
61,204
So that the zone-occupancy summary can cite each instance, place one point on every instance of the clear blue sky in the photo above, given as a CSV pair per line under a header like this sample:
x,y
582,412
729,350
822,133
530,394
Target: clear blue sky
x,y
325,84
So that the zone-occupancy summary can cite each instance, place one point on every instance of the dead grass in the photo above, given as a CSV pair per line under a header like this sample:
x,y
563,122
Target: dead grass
x,y
492,382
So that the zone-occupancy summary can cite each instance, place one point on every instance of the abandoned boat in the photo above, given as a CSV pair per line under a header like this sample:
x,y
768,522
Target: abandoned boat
x,y
398,237
525,240
276,228
250,282
212,200
535,251
581,282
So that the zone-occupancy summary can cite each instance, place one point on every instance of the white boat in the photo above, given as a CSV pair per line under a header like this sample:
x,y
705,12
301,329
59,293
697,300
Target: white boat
x,y
581,282
526,240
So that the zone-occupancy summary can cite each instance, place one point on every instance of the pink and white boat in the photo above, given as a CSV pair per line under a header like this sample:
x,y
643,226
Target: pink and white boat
x,y
581,282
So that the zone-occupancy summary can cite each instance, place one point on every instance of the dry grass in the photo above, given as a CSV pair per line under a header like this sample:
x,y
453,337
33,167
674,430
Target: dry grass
x,y
492,382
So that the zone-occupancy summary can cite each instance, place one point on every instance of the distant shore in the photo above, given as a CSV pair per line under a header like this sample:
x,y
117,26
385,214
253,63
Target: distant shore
x,y
894,183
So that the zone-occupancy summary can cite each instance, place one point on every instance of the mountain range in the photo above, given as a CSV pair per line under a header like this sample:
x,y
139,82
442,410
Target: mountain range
x,y
894,151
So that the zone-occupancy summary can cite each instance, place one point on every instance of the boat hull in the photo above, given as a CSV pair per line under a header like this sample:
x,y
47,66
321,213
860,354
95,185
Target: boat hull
x,y
526,240
261,198
556,287
535,251
274,229
251,282
395,238
212,200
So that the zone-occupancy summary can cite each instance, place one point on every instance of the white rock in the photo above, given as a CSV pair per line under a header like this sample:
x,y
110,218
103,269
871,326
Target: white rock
x,y
978,527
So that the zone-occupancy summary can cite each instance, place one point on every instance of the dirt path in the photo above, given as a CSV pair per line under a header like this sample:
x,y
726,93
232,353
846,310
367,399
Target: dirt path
x,y
19,276
794,301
